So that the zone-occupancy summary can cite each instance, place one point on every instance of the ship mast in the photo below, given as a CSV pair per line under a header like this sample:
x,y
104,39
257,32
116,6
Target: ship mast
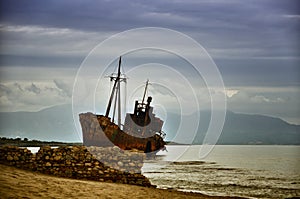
x,y
116,93
147,82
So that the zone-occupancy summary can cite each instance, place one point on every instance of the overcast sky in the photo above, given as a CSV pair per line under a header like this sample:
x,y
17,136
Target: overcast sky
x,y
254,43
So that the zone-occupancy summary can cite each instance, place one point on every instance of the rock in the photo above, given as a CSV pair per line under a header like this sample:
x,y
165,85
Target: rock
x,y
78,162
120,164
45,148
56,158
9,158
88,164
131,164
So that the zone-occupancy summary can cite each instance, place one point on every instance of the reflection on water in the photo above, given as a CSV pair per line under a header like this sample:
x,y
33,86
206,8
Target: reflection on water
x,y
33,149
251,171
36,149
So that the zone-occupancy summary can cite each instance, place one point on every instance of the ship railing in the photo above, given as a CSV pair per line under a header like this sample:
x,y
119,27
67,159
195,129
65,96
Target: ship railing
x,y
161,134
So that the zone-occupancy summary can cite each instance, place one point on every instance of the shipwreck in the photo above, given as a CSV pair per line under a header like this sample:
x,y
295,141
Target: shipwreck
x,y
142,129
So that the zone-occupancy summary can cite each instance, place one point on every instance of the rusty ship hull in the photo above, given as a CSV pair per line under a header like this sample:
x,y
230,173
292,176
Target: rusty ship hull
x,y
98,130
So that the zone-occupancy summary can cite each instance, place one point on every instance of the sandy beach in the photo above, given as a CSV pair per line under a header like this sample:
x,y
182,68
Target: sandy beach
x,y
16,183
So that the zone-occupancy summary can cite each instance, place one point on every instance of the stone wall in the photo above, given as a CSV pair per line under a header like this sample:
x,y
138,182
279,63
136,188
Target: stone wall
x,y
80,162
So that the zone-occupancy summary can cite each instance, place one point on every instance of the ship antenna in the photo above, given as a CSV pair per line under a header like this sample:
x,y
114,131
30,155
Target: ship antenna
x,y
147,82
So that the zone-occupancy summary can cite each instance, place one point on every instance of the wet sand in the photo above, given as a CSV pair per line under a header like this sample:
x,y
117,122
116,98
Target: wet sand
x,y
16,183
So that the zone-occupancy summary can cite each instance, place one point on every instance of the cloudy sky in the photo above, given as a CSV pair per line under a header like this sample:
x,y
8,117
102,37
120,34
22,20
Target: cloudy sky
x,y
255,45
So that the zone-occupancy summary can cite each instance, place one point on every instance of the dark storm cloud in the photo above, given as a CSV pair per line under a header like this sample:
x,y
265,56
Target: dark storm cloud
x,y
40,61
84,15
246,39
224,16
264,72
257,28
254,43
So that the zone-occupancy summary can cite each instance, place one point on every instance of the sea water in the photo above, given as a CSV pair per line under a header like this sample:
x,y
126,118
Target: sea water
x,y
241,170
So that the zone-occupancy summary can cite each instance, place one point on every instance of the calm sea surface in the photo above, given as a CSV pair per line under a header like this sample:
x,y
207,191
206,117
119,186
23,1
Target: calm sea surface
x,y
239,170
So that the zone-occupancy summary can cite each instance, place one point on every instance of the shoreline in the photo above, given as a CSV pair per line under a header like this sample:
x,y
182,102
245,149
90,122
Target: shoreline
x,y
18,183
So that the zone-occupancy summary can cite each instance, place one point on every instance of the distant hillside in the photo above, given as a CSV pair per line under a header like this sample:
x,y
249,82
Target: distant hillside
x,y
50,124
258,129
243,129
56,124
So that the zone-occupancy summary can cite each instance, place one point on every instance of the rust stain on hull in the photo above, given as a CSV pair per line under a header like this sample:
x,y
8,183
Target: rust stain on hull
x,y
98,130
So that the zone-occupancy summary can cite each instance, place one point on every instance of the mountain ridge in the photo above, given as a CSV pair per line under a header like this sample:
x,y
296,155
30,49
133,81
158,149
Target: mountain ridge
x,y
56,124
